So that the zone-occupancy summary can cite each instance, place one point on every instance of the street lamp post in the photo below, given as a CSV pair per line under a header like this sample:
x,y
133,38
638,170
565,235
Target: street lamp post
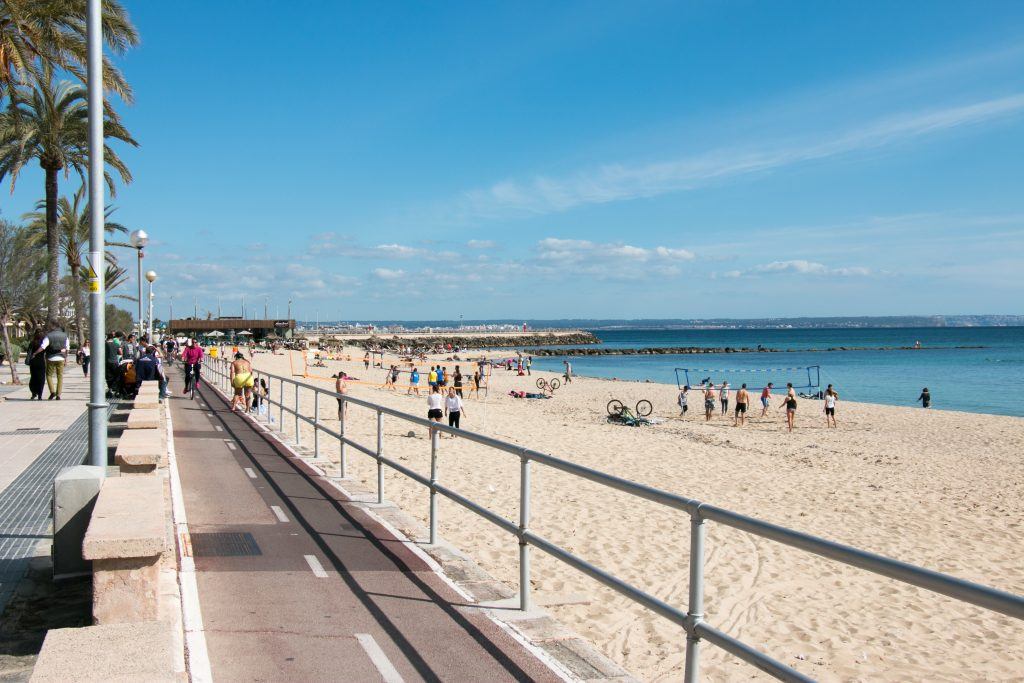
x,y
139,240
151,276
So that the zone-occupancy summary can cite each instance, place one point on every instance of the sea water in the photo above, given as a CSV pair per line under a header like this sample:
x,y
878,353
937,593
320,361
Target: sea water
x,y
982,380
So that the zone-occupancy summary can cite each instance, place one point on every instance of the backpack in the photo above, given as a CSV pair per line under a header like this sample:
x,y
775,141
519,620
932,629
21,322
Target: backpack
x,y
129,373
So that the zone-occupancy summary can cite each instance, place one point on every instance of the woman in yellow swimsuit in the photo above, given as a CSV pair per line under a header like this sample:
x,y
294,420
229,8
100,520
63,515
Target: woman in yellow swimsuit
x,y
242,382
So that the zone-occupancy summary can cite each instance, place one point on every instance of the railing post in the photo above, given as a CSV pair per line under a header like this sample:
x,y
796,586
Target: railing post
x,y
695,612
433,486
341,430
316,424
280,407
380,452
524,523
298,437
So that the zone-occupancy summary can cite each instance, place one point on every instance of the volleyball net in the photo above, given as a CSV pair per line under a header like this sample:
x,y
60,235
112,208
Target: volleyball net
x,y
806,378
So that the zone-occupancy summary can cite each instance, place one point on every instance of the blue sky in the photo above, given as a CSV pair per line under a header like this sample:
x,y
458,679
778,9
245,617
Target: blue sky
x,y
593,159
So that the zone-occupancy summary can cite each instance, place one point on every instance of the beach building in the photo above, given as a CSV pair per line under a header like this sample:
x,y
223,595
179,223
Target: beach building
x,y
233,328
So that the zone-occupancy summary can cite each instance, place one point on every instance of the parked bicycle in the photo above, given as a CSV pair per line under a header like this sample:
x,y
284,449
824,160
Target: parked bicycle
x,y
545,385
620,413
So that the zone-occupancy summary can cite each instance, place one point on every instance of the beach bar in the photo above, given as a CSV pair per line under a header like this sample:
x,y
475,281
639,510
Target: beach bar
x,y
232,327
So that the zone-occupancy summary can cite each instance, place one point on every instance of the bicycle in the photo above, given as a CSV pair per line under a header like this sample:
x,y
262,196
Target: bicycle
x,y
619,413
545,385
192,371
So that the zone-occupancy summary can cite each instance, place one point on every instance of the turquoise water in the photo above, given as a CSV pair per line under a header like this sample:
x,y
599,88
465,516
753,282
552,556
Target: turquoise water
x,y
985,380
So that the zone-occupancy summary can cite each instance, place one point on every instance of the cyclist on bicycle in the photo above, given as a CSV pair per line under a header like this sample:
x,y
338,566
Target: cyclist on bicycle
x,y
192,357
170,349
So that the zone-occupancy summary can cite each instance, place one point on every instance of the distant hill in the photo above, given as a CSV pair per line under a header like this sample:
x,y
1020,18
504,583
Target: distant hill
x,y
986,320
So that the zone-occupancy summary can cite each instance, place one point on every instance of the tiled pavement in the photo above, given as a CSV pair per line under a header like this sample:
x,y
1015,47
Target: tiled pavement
x,y
37,440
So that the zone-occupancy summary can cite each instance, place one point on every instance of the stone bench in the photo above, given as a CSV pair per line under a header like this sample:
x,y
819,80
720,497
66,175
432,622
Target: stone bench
x,y
116,652
144,418
140,451
126,537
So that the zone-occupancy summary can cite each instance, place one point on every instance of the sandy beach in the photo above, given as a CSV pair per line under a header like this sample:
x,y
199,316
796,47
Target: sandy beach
x,y
941,489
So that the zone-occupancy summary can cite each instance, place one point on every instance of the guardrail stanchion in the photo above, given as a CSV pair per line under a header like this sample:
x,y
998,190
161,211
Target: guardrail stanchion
x,y
342,410
695,613
380,452
433,486
280,407
316,424
524,523
298,437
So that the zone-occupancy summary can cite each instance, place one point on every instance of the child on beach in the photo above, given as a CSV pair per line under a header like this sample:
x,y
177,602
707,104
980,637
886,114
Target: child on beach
x,y
682,400
831,395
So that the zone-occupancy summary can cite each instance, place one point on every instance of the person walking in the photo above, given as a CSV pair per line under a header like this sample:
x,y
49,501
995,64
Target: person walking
x,y
55,345
36,366
453,408
568,371
925,398
831,396
242,381
529,365
83,357
682,400
723,397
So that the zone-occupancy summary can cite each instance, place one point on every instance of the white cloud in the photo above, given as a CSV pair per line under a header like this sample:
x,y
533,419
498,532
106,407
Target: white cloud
x,y
799,267
481,244
388,273
570,250
617,182
396,250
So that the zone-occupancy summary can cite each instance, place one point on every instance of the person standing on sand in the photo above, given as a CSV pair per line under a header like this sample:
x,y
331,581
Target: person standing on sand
x,y
742,400
341,387
529,365
414,382
454,408
925,398
568,371
831,396
366,361
789,403
457,381
435,404
766,395
682,400
432,378
723,396
709,401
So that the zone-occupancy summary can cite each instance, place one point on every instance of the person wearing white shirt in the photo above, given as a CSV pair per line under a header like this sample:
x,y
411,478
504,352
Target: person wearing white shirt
x,y
435,404
454,408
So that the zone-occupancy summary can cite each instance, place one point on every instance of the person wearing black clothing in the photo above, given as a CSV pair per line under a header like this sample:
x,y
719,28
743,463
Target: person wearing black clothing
x,y
148,369
112,357
457,381
36,367
925,398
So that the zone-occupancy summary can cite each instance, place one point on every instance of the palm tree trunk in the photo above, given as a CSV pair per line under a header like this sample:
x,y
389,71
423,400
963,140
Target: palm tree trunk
x,y
52,250
11,359
76,287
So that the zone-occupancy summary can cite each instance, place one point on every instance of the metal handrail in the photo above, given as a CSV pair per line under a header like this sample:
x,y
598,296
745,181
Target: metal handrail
x,y
692,620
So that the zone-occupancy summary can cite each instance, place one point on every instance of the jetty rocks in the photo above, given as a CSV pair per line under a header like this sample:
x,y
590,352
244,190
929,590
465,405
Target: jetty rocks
x,y
694,350
481,341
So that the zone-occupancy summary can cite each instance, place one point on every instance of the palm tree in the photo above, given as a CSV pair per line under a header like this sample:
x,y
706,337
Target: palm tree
x,y
73,226
53,32
50,123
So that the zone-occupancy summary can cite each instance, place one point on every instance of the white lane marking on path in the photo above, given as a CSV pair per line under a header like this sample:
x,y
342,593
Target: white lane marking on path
x,y
197,655
380,660
248,470
314,564
231,445
218,428
281,517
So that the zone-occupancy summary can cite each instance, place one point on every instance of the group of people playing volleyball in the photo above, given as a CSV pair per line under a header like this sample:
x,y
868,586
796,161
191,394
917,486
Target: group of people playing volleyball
x,y
717,397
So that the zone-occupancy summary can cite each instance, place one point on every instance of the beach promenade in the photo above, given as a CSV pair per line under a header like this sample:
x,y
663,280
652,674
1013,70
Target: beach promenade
x,y
296,582
37,440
